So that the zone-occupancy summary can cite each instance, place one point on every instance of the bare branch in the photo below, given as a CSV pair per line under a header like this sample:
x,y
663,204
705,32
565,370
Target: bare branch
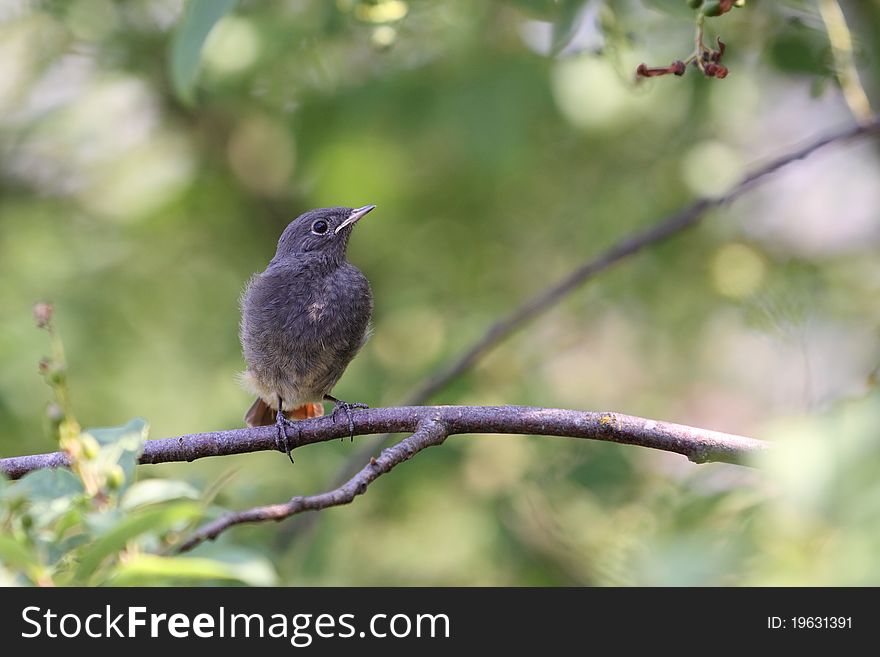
x,y
699,445
427,434
437,423
672,225
430,426
16,467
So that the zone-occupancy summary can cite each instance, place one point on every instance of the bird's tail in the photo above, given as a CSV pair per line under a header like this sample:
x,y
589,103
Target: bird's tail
x,y
261,414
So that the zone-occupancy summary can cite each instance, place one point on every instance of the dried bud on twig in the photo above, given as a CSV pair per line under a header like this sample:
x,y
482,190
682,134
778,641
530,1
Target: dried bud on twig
x,y
675,68
703,57
43,314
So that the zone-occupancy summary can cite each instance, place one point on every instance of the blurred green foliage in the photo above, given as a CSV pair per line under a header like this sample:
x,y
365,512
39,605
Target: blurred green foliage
x,y
93,524
143,180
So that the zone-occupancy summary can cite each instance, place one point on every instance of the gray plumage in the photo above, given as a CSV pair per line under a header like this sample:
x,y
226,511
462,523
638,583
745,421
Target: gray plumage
x,y
307,315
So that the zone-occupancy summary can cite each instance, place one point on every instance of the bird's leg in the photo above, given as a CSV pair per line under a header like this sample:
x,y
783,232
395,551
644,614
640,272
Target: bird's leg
x,y
348,408
282,424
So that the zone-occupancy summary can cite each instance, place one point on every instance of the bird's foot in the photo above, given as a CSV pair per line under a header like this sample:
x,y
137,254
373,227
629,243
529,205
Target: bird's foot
x,y
282,424
348,407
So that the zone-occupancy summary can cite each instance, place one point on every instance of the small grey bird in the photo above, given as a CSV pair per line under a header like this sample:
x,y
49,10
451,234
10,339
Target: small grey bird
x,y
303,319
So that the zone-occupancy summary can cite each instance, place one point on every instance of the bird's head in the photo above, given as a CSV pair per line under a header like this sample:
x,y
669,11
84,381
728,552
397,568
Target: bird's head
x,y
323,231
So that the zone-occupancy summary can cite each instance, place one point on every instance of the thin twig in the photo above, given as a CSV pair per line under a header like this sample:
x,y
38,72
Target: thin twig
x,y
427,434
699,445
654,234
844,61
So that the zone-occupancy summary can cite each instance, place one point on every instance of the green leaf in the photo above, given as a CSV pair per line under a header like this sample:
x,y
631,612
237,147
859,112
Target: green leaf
x,y
801,49
15,555
155,520
44,485
62,553
67,521
199,18
121,446
677,8
566,24
153,491
100,522
148,568
44,495
250,565
136,428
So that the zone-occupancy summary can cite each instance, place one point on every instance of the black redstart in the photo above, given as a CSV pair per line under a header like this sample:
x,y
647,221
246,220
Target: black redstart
x,y
303,319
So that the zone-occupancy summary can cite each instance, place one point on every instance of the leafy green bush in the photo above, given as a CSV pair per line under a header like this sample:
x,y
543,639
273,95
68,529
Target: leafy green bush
x,y
95,523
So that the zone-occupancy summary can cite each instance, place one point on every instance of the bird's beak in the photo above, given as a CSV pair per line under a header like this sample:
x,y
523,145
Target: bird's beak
x,y
355,216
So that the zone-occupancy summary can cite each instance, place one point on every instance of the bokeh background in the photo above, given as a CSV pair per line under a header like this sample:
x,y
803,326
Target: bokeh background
x,y
504,142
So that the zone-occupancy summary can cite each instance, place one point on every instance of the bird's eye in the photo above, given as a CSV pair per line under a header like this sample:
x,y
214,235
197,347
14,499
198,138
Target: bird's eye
x,y
320,227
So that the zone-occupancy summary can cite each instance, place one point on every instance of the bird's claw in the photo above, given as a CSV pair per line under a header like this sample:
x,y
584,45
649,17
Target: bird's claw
x,y
348,407
282,424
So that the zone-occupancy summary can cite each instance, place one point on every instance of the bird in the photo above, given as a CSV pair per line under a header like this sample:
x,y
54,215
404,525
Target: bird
x,y
303,320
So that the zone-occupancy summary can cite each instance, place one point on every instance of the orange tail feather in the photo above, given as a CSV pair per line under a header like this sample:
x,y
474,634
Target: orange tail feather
x,y
260,414
305,412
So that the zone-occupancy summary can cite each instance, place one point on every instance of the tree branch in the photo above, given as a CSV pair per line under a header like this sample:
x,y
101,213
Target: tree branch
x,y
428,433
435,424
670,226
699,445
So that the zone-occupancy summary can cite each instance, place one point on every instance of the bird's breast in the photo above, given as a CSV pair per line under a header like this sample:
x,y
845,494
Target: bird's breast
x,y
300,329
